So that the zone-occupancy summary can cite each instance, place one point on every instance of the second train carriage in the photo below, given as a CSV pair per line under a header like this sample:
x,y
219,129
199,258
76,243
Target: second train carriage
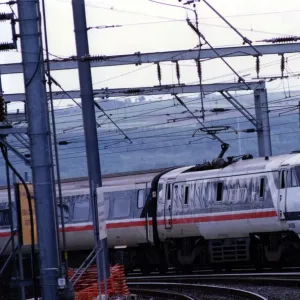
x,y
236,211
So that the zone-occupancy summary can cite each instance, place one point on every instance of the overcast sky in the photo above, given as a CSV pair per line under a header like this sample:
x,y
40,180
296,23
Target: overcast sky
x,y
164,28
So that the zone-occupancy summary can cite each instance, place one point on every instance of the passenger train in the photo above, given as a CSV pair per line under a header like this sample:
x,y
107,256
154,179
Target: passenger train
x,y
228,212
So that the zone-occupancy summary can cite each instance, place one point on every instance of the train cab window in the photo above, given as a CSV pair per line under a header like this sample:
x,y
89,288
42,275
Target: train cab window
x,y
294,182
262,188
186,195
282,179
297,173
140,198
219,191
81,211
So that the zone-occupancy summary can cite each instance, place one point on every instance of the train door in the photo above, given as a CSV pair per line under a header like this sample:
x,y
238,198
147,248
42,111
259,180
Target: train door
x,y
283,176
149,221
168,206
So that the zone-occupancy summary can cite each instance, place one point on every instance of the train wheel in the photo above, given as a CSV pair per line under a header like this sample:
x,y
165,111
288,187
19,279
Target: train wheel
x,y
163,268
187,269
145,270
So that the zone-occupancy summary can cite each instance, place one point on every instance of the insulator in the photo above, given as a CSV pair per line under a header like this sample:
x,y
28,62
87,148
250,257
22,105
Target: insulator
x,y
257,66
159,73
199,70
5,17
93,58
6,46
285,39
282,64
134,91
178,71
2,109
219,109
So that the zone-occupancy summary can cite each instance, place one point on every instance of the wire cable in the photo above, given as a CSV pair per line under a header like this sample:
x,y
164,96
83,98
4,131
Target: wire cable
x,y
4,151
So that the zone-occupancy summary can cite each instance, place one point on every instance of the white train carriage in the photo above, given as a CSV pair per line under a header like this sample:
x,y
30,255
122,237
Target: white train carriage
x,y
249,204
124,200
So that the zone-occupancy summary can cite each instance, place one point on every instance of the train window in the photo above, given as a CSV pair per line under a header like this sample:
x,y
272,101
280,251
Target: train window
x,y
282,181
186,195
159,193
65,207
4,218
140,198
262,188
168,191
81,211
219,191
121,206
294,182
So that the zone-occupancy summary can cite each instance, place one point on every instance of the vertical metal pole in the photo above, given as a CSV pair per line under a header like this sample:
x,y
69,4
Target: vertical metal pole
x,y
299,112
38,130
91,139
262,116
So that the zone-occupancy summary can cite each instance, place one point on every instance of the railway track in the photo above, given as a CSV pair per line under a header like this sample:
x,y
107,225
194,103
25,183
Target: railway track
x,y
286,278
270,286
159,290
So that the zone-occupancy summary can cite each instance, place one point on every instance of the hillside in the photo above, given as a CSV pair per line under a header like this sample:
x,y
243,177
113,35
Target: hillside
x,y
158,141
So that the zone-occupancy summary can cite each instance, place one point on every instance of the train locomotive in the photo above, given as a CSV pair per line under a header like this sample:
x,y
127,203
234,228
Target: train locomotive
x,y
228,212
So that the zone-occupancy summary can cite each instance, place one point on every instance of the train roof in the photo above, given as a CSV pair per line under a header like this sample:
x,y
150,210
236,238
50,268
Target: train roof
x,y
240,167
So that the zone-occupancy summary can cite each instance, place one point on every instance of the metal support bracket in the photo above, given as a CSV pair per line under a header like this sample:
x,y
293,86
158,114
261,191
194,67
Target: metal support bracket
x,y
238,106
6,130
154,90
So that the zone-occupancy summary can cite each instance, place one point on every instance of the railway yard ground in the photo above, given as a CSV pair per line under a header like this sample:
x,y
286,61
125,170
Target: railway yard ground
x,y
236,286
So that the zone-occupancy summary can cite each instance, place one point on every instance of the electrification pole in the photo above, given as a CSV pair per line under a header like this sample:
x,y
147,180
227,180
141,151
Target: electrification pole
x,y
262,116
39,131
90,130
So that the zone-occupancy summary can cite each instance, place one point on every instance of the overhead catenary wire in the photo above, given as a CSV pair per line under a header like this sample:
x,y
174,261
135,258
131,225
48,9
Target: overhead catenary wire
x,y
166,134
224,145
191,130
133,129
228,65
68,156
172,128
125,135
245,39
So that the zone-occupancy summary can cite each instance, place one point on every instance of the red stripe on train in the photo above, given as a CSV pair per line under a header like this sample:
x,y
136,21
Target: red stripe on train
x,y
215,218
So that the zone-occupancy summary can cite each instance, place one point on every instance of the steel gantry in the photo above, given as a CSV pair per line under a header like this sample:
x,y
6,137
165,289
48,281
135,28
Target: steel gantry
x,y
154,57
260,120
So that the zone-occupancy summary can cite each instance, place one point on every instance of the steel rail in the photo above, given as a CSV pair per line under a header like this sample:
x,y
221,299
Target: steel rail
x,y
161,294
206,289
